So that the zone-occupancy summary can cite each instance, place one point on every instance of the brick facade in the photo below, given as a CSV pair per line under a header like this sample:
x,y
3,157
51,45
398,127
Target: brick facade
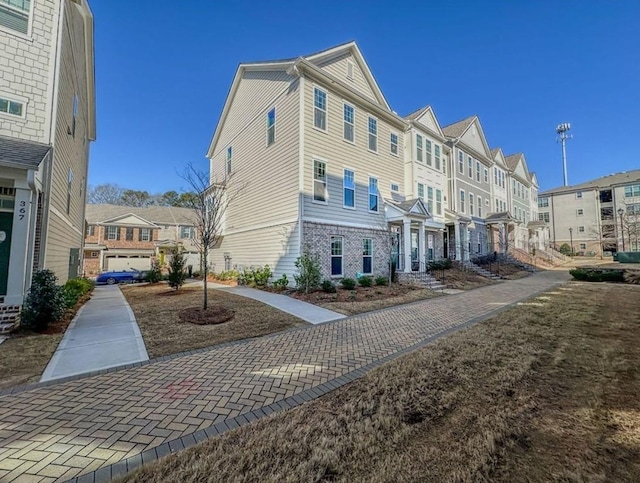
x,y
99,238
317,238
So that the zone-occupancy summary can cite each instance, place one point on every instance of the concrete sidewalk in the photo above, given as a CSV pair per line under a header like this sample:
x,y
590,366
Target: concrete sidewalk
x,y
103,334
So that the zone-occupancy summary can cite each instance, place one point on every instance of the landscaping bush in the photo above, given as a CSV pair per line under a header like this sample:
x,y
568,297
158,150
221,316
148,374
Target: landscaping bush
x,y
154,275
565,249
591,275
381,281
348,283
309,275
227,275
74,289
328,286
282,283
365,281
256,277
177,274
443,264
44,303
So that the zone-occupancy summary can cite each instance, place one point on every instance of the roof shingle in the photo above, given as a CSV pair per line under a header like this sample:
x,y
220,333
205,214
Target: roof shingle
x,y
21,152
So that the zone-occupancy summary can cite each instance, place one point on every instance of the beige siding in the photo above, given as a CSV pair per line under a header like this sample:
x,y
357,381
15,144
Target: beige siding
x,y
338,68
473,139
65,227
254,90
268,175
276,246
339,154
565,216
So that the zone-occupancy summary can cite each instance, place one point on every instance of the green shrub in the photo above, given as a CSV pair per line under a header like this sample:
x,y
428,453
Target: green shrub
x,y
565,249
328,286
45,302
74,289
348,283
380,281
255,277
282,283
365,281
309,275
177,273
227,275
591,275
155,274
443,264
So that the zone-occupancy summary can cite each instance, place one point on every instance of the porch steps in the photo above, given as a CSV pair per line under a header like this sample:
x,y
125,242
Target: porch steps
x,y
517,257
472,267
422,279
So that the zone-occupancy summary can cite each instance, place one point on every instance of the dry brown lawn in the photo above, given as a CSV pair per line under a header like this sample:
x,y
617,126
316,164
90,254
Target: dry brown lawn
x,y
157,312
464,280
548,391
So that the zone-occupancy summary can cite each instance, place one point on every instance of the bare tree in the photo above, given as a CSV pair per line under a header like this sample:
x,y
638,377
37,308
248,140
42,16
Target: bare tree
x,y
209,203
105,193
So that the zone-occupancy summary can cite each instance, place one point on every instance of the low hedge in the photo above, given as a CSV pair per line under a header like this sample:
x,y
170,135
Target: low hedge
x,y
597,275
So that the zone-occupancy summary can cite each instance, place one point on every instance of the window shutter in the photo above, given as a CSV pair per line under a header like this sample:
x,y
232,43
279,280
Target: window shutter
x,y
118,233
106,232
139,234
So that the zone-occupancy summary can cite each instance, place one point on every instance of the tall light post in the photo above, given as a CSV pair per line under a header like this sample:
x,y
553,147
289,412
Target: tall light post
x,y
571,239
562,130
621,213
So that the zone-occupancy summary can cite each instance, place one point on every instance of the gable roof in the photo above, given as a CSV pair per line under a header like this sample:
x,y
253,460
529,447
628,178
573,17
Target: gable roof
x,y
414,207
426,111
161,215
602,182
21,153
290,65
457,129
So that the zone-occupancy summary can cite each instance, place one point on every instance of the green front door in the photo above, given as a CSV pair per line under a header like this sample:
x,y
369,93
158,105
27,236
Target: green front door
x,y
6,222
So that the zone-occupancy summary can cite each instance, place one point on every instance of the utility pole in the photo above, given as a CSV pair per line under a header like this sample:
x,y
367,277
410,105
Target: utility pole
x,y
562,130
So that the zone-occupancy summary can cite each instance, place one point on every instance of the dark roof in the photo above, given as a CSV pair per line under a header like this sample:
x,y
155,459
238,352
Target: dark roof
x,y
163,215
406,205
456,129
415,114
22,153
500,216
512,160
603,182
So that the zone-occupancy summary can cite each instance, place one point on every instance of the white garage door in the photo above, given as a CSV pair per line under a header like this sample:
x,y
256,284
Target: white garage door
x,y
128,263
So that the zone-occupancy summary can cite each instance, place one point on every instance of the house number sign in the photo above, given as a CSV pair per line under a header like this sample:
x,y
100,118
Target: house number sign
x,y
22,211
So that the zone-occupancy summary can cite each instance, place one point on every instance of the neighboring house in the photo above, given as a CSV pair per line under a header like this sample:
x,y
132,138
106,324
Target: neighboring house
x,y
470,188
321,128
47,121
593,216
125,237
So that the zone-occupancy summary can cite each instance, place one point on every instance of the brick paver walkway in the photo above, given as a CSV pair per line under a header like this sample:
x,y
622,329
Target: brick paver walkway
x,y
73,428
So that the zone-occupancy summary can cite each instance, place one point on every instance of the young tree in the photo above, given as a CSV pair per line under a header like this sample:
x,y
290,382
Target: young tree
x,y
208,201
177,272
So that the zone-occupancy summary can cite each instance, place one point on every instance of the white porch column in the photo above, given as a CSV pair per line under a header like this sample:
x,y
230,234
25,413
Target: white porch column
x,y
19,247
422,246
406,237
459,241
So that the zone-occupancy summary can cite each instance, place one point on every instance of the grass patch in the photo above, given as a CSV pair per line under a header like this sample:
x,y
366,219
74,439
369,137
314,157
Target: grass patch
x,y
158,316
542,392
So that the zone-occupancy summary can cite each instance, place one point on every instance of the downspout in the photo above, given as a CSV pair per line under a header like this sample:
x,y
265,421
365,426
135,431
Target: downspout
x,y
301,121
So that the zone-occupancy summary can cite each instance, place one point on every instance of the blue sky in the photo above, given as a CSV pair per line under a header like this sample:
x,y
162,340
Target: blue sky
x,y
163,70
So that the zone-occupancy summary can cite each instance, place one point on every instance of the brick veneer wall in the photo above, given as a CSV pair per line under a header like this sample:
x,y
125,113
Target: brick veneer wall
x,y
98,239
317,237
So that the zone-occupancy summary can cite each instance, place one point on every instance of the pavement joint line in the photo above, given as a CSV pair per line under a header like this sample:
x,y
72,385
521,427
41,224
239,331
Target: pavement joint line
x,y
293,401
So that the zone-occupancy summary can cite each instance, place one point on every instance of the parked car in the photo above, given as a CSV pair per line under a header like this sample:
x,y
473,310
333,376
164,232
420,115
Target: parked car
x,y
121,276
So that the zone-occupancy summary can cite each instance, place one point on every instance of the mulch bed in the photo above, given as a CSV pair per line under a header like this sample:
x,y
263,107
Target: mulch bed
x,y
212,316
359,294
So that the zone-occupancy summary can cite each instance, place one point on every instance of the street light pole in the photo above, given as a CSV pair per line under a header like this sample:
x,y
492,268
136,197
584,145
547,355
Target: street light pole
x,y
621,212
571,239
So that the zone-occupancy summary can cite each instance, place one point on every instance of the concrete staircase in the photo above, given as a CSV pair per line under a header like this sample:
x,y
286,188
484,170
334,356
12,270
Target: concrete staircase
x,y
422,279
472,267
520,259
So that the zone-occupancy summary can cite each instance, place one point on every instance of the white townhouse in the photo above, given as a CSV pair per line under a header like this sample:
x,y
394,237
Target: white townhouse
x,y
320,159
47,122
426,157
469,189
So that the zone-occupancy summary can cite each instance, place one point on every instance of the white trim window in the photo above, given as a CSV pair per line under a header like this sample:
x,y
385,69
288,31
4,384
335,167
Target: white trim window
x,y
394,144
478,171
11,107
581,229
495,176
436,151
438,202
186,231
497,206
419,147
144,234
367,256
229,156
319,181
14,15
427,149
470,166
471,203
271,127
349,189
430,199
395,187
479,207
461,162
461,201
113,232
544,216
421,191
486,175
580,212
578,195
336,256
349,117
319,109
373,194
373,134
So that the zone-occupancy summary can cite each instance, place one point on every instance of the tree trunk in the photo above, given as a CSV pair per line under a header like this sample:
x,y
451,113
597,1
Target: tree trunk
x,y
204,271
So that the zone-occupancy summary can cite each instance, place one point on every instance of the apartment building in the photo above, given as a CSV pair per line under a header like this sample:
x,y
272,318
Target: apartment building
x,y
349,180
47,122
125,237
598,217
